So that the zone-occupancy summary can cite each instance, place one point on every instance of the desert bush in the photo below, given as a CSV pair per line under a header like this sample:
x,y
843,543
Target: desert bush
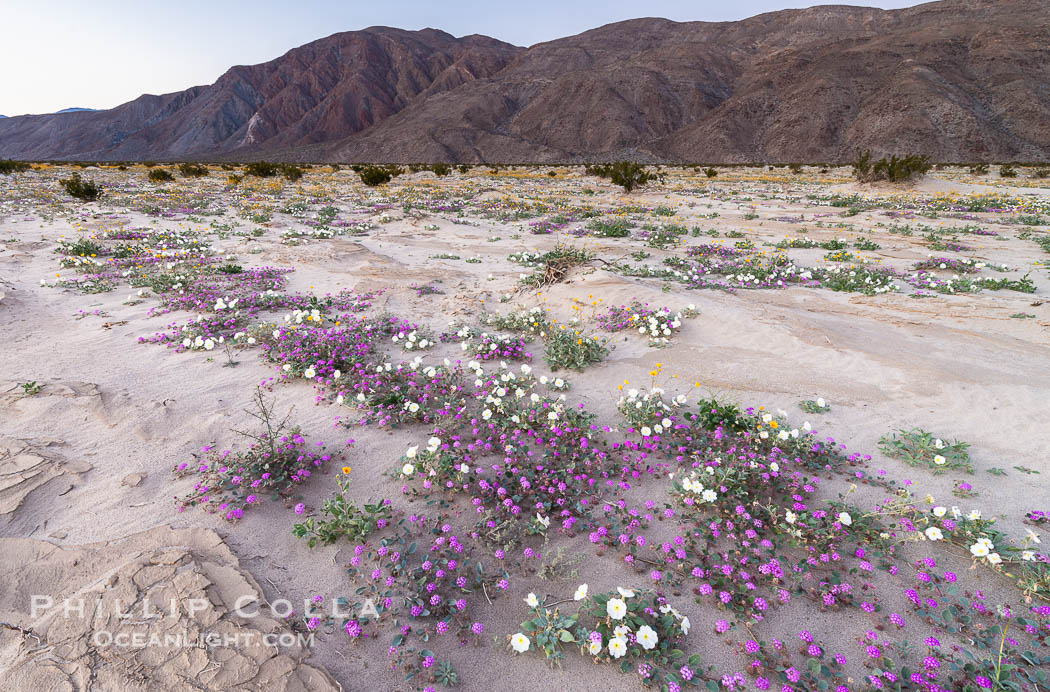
x,y
78,188
710,172
894,169
598,170
291,172
373,176
10,166
1007,170
795,167
265,169
192,170
261,169
463,168
441,169
335,167
1041,173
629,175
228,167
159,175
979,169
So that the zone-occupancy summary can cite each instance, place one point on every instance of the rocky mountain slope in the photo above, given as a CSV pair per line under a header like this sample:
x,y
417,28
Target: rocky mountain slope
x,y
958,80
321,91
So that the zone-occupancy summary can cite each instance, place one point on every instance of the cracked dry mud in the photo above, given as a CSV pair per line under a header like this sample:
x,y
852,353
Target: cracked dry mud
x,y
27,465
140,576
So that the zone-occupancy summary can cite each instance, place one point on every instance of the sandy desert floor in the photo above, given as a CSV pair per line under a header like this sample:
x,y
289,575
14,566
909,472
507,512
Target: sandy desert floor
x,y
918,308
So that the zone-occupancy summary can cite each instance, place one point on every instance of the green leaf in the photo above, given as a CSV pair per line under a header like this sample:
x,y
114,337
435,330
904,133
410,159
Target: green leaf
x,y
676,653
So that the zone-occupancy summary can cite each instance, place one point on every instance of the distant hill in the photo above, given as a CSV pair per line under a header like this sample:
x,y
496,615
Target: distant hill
x,y
958,80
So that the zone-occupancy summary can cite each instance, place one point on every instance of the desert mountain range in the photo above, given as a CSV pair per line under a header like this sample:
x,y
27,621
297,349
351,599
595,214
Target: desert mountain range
x,y
958,80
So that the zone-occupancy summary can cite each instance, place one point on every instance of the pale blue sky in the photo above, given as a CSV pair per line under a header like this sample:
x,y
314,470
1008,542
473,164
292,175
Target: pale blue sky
x,y
101,53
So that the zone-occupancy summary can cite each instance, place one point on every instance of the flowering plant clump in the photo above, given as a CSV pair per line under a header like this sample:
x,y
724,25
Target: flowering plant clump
x,y
421,571
1022,285
276,463
425,289
532,321
658,324
729,269
415,340
663,235
635,628
856,279
975,534
955,265
843,256
544,227
390,395
558,384
610,228
549,629
640,630
920,448
817,405
343,518
458,333
790,242
996,658
644,410
498,346
322,352
574,350
1036,517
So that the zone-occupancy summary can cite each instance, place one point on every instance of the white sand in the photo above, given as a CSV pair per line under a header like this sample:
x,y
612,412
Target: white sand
x,y
958,366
